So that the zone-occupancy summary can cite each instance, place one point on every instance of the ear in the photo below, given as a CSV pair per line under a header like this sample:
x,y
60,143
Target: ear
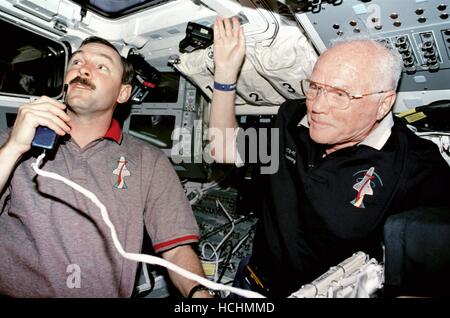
x,y
386,104
124,94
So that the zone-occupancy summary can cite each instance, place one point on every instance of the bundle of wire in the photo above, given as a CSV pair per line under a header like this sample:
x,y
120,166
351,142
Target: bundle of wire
x,y
214,258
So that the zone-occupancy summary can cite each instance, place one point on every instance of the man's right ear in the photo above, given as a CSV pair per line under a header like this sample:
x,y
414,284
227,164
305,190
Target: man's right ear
x,y
386,104
125,93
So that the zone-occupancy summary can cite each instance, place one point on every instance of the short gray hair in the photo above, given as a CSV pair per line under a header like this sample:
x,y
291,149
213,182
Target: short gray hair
x,y
391,66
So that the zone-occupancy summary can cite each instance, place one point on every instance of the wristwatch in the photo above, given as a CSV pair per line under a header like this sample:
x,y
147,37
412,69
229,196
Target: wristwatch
x,y
200,287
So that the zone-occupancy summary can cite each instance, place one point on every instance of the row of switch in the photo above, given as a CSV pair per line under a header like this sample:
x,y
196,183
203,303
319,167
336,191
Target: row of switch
x,y
404,47
429,51
446,37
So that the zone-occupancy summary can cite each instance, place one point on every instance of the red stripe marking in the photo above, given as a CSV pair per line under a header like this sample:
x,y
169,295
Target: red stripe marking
x,y
368,180
174,241
120,174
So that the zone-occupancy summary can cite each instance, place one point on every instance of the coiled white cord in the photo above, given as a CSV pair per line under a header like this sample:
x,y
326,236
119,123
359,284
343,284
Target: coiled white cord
x,y
134,256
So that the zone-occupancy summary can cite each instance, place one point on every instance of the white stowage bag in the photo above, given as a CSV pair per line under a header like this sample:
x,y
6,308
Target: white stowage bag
x,y
269,74
289,59
194,66
251,86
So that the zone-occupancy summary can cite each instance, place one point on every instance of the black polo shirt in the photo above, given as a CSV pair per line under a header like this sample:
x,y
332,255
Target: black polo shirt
x,y
318,210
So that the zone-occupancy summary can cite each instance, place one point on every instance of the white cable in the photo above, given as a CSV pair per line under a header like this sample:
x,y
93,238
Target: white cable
x,y
199,192
241,241
203,251
134,256
216,250
208,259
232,225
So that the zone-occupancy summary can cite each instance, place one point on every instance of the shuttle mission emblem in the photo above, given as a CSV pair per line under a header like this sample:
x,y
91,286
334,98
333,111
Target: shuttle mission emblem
x,y
366,181
121,171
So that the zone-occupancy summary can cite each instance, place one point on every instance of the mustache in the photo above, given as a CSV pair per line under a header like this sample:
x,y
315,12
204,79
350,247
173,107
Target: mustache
x,y
83,81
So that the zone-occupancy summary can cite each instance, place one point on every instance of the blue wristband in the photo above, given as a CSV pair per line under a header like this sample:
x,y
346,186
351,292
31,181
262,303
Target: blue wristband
x,y
224,87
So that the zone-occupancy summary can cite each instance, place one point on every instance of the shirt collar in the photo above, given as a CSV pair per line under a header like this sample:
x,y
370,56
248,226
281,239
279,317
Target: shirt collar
x,y
377,137
114,132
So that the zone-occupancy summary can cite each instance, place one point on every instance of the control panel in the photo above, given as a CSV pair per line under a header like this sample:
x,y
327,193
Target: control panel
x,y
418,29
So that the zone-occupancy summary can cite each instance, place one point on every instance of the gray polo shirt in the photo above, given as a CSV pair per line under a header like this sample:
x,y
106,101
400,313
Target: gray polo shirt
x,y
53,241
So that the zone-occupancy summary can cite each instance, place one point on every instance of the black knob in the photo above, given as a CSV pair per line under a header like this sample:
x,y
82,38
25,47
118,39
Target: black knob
x,y
406,55
401,41
430,54
409,62
432,60
410,69
427,46
404,48
434,67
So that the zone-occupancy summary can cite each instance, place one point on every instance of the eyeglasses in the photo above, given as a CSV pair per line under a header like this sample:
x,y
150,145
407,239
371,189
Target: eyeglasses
x,y
336,97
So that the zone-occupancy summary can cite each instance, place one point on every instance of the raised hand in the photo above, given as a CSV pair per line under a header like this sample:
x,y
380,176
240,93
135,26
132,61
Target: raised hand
x,y
229,49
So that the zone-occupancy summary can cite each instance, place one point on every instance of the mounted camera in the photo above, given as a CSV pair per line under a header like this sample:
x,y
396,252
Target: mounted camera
x,y
197,37
146,77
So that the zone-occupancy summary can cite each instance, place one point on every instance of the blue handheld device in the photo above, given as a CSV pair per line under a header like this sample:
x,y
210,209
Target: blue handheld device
x,y
45,137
